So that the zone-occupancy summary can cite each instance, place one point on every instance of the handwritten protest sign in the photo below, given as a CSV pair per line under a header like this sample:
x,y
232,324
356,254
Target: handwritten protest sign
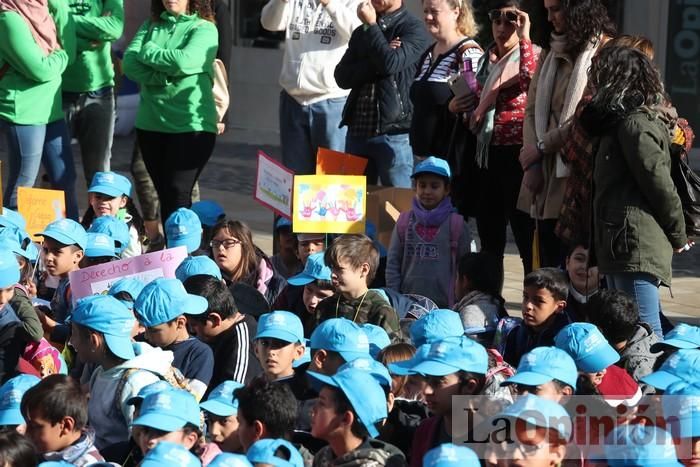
x,y
329,203
273,185
40,207
98,279
330,162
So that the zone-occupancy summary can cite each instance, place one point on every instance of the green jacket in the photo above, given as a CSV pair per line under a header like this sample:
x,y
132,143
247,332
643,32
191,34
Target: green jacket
x,y
638,214
97,24
172,60
30,88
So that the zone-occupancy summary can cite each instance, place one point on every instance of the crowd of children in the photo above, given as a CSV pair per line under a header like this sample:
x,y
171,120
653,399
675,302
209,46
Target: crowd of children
x,y
310,358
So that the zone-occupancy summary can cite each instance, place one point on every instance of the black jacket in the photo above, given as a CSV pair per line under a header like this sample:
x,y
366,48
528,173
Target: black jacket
x,y
369,59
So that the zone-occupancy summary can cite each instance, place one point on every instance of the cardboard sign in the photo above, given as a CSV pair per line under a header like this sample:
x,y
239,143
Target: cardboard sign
x,y
40,207
329,162
98,279
273,185
329,204
383,208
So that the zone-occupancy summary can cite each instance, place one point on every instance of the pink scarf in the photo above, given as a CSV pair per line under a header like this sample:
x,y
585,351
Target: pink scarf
x,y
40,22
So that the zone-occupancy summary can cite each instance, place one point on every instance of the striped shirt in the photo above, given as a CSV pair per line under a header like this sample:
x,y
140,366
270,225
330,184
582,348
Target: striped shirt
x,y
448,63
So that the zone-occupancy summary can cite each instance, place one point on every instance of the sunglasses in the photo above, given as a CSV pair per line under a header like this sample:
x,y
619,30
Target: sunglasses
x,y
498,15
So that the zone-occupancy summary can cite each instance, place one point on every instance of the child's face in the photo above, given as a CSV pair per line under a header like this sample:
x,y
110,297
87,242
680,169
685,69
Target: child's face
x,y
538,305
325,419
45,436
347,279
227,251
438,392
81,343
582,278
164,334
688,448
203,329
431,190
105,205
595,378
6,295
60,259
548,390
149,437
246,432
414,388
224,432
530,449
313,295
307,248
277,356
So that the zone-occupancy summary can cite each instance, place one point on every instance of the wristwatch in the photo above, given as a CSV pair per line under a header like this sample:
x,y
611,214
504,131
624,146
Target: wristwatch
x,y
540,147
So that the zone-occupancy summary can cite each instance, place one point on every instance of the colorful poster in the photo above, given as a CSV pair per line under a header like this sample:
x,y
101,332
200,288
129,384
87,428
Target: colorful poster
x,y
329,203
273,185
40,207
98,279
330,162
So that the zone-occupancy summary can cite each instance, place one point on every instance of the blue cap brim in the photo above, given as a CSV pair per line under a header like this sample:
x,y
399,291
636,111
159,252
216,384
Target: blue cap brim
x,y
430,171
527,378
432,368
349,356
61,238
676,343
107,190
660,379
280,334
120,346
192,243
218,408
11,417
300,279
9,279
160,421
195,305
99,252
599,361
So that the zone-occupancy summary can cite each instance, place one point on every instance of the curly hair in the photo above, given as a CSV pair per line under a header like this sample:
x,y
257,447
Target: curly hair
x,y
201,7
585,21
466,24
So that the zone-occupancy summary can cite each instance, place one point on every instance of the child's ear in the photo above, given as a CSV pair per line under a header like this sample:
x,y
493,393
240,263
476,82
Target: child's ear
x,y
561,305
123,201
390,402
215,319
95,341
78,256
348,419
190,439
364,270
181,322
556,454
259,430
67,426
299,351
318,358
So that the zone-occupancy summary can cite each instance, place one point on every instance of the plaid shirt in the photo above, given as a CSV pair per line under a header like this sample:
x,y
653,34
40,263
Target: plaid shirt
x,y
365,117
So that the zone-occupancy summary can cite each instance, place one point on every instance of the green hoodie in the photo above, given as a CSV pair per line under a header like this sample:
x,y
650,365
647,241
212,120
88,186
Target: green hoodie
x,y
30,88
172,61
97,24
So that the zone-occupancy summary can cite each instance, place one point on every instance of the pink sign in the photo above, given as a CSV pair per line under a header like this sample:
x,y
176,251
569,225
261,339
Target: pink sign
x,y
98,279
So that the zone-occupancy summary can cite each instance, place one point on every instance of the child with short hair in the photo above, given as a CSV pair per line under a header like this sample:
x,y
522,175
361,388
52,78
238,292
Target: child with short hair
x,y
353,260
11,394
583,283
306,290
16,450
683,336
162,308
56,411
221,409
547,372
423,254
278,343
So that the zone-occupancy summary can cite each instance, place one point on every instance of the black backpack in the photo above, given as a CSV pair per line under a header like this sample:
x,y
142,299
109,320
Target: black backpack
x,y
687,182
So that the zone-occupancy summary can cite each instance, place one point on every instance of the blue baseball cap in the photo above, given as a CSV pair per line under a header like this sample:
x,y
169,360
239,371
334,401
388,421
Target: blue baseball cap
x,y
10,218
315,269
587,346
67,232
637,445
378,338
436,325
153,388
683,336
221,400
539,412
373,367
263,452
168,410
11,394
450,455
100,244
362,390
130,285
195,266
9,269
167,453
404,367
208,211
543,364
433,165
682,401
115,228
341,335
451,355
110,317
282,222
226,459
183,228
111,184
163,300
282,325
682,365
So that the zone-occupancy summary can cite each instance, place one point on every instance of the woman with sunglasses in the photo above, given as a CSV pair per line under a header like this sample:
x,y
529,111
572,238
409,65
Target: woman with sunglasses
x,y
503,77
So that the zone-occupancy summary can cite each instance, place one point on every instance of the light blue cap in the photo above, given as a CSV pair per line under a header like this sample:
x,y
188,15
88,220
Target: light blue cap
x,y
226,459
433,165
404,367
450,356
10,218
683,336
543,364
436,325
11,394
283,222
539,412
100,244
168,410
362,390
306,358
451,455
637,445
341,335
682,365
378,338
111,184
56,464
221,401
587,346
66,231
183,228
282,325
12,239
163,300
167,453
9,269
115,228
682,401
315,269
263,452
153,388
373,367
208,211
130,285
110,317
195,266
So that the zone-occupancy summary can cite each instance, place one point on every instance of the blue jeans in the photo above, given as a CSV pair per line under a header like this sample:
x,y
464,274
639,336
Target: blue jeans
x,y
305,128
390,158
644,289
31,145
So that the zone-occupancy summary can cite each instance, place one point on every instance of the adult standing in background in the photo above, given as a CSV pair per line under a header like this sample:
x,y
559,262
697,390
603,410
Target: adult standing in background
x,y
88,83
311,103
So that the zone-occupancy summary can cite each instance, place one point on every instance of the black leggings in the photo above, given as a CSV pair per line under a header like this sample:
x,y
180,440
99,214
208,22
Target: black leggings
x,y
174,162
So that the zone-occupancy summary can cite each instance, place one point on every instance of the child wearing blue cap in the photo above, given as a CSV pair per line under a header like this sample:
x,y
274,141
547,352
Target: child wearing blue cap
x,y
286,261
274,452
547,372
682,412
428,240
169,453
335,342
116,229
221,409
100,249
10,399
278,343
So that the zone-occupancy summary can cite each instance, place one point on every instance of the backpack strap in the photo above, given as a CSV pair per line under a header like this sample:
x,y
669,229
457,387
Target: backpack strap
x,y
120,387
456,229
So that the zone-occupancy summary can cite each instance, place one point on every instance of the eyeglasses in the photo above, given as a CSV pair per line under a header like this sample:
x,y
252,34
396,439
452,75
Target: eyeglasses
x,y
499,15
506,447
227,244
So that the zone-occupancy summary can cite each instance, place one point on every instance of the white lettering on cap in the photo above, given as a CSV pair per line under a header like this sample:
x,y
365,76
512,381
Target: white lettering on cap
x,y
591,342
163,402
277,319
439,350
360,364
107,177
363,342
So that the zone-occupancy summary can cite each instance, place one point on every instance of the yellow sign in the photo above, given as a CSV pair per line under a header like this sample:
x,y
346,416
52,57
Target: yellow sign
x,y
329,204
40,207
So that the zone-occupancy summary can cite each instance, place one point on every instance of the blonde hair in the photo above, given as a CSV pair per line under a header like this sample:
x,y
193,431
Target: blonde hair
x,y
466,24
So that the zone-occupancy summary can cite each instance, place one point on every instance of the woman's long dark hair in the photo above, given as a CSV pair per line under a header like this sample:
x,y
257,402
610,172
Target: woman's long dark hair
x,y
201,7
585,21
131,209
